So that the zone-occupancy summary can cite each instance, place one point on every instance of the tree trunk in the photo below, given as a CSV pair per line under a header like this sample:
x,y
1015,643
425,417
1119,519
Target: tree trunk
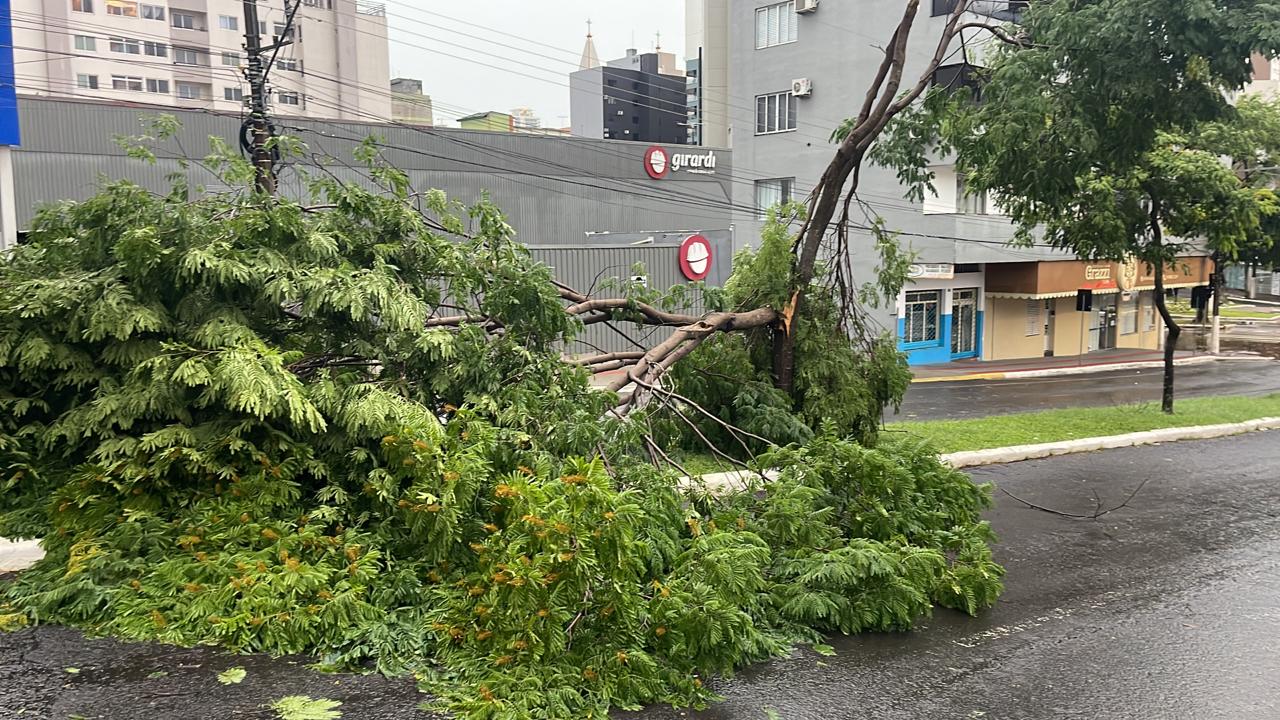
x,y
1172,331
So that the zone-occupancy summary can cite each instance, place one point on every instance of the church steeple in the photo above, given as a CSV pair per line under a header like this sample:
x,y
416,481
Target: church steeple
x,y
590,59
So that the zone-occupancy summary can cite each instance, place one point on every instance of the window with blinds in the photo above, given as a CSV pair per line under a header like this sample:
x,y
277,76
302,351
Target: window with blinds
x,y
776,25
772,193
775,112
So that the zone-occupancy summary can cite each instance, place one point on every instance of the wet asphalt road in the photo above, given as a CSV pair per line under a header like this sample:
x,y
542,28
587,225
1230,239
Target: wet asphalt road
x,y
1167,608
977,398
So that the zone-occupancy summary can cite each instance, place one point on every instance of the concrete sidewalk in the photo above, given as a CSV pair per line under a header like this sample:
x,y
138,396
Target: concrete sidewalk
x,y
1094,362
18,555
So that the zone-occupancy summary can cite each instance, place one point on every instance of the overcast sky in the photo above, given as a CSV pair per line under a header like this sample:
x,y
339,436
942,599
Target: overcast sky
x,y
530,65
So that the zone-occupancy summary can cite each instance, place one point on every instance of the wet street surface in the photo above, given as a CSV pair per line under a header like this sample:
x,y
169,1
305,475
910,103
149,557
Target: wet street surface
x,y
978,398
1166,608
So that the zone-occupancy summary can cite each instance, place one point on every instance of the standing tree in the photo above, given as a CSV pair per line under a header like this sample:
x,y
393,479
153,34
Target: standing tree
x,y
1085,130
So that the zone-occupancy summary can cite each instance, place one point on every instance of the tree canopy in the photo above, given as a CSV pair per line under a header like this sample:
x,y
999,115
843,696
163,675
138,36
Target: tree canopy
x,y
345,427
1090,130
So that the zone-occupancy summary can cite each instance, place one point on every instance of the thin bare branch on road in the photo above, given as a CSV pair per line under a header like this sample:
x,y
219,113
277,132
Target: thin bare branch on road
x,y
1097,504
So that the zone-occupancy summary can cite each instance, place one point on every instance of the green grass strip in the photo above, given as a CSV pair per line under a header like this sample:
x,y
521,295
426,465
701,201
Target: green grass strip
x,y
1075,423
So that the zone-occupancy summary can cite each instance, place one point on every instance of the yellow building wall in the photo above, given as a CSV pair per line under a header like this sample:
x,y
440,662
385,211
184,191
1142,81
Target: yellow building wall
x,y
1144,339
1071,328
1005,332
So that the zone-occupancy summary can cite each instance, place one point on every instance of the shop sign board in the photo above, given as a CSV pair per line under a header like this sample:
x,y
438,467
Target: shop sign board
x,y
695,257
931,271
660,163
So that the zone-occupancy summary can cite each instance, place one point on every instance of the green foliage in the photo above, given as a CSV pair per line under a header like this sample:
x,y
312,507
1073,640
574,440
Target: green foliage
x,y
302,707
232,676
233,421
1087,157
845,374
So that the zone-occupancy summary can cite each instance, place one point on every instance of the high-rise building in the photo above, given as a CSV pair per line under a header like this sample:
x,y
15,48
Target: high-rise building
x,y
796,70
639,97
189,53
409,104
523,118
706,47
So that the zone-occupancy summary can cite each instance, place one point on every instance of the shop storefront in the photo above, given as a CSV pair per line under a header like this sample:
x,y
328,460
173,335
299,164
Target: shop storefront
x,y
1031,307
940,313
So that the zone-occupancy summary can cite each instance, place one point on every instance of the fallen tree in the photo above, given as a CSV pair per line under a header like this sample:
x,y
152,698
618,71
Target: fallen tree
x,y
232,422
345,427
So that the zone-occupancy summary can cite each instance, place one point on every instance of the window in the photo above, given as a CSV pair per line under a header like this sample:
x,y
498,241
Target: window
x,y
186,56
155,49
1034,326
293,32
126,82
233,93
1129,315
776,25
288,64
125,45
82,5
323,4
153,12
228,22
87,81
230,58
921,316
157,86
775,112
190,91
1149,315
288,98
943,7
771,193
86,42
122,7
186,21
970,203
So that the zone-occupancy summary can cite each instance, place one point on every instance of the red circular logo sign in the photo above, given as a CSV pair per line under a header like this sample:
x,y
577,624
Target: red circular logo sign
x,y
656,162
695,257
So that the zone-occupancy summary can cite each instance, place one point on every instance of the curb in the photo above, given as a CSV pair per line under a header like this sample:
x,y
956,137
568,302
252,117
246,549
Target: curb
x,y
1085,369
736,480
16,555
1018,453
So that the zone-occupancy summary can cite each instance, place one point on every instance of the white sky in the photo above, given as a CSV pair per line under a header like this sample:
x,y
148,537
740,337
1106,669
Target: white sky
x,y
530,69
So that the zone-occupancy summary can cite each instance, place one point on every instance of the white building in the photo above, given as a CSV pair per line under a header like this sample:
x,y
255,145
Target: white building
x,y
189,53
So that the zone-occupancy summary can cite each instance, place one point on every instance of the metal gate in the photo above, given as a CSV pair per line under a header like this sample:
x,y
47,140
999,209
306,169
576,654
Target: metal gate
x,y
964,323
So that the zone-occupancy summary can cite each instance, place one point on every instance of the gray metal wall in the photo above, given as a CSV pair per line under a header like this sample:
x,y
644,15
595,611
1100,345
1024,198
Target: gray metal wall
x,y
586,207
554,189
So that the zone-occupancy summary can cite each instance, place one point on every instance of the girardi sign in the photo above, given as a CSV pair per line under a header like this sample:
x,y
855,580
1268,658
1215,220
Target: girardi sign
x,y
659,162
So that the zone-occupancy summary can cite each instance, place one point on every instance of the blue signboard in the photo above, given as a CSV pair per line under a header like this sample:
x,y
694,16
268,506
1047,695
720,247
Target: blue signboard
x,y
9,134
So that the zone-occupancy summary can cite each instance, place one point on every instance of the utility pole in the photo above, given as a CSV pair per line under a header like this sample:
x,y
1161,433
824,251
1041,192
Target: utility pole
x,y
255,72
1215,297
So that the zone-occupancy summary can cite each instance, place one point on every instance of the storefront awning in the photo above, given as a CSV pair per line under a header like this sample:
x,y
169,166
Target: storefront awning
x,y
1056,279
1072,293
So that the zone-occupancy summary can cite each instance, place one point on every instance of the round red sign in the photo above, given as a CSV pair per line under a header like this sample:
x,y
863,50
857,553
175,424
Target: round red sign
x,y
656,162
695,257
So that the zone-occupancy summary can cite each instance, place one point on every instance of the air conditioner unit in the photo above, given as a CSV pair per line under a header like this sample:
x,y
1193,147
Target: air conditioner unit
x,y
806,6
802,87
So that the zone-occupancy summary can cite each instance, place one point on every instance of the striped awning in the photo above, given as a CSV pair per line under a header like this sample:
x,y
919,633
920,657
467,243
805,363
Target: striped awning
x,y
1072,293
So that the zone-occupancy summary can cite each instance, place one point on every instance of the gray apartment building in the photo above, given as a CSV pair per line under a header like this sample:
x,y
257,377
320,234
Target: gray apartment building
x,y
793,71
640,97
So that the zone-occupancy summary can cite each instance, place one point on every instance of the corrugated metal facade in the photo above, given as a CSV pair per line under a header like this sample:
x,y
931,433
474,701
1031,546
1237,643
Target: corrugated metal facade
x,y
586,207
655,262
553,189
